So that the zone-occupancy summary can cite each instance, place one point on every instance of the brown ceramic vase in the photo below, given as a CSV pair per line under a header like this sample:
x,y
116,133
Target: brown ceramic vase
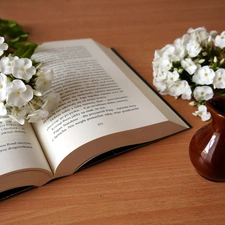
x,y
207,146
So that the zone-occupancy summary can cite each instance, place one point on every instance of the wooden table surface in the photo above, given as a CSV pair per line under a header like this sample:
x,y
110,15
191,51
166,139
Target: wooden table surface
x,y
155,184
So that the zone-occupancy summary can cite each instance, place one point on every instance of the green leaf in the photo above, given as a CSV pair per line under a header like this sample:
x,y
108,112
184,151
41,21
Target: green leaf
x,y
25,51
16,38
10,29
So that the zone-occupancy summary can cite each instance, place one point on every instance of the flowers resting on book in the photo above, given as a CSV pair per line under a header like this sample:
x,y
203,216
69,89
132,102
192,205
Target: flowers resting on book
x,y
24,89
192,67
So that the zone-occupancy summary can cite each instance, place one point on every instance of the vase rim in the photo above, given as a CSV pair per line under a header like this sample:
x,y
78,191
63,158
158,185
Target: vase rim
x,y
217,104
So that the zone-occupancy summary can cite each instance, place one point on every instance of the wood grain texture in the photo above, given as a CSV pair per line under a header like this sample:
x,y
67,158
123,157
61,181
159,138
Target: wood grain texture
x,y
152,185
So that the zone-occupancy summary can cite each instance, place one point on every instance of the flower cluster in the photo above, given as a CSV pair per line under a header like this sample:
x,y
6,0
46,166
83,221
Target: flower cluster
x,y
24,89
192,67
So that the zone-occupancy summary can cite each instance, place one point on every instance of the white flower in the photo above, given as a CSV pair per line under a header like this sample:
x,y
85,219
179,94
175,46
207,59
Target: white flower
x,y
46,73
24,92
220,40
177,88
186,91
196,30
193,48
6,64
51,102
204,75
18,93
3,46
193,66
160,74
23,69
159,80
203,93
42,84
166,51
189,65
165,63
37,115
203,113
212,36
180,50
200,35
219,79
160,85
3,110
3,84
172,77
44,80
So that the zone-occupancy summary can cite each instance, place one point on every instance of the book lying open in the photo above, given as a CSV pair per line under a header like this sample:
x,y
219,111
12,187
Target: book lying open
x,y
105,106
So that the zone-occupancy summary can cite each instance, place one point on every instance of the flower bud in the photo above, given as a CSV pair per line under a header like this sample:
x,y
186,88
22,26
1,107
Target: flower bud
x,y
192,103
201,61
222,61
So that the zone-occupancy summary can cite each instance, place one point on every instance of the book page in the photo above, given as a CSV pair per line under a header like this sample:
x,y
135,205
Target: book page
x,y
97,100
19,152
145,88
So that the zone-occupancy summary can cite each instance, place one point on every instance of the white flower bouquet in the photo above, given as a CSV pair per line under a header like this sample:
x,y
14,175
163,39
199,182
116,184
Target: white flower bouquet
x,y
192,67
24,87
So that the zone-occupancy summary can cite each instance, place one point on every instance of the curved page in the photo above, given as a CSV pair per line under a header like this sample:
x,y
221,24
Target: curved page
x,y
22,161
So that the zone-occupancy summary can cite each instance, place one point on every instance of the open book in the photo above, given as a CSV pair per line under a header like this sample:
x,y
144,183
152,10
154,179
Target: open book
x,y
104,106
